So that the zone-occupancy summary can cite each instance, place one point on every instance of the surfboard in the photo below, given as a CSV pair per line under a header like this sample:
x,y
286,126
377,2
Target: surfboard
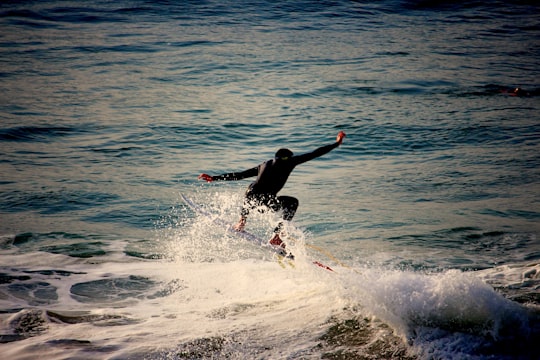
x,y
280,252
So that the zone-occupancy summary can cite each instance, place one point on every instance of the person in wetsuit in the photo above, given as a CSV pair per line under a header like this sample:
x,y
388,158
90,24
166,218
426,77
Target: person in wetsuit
x,y
271,177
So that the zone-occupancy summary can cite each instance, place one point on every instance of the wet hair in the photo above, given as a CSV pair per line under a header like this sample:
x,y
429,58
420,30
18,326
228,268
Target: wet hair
x,y
284,154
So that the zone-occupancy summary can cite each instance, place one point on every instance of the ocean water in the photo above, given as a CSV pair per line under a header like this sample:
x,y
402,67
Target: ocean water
x,y
428,213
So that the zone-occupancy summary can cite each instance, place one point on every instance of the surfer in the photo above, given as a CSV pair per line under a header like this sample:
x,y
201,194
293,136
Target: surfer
x,y
271,177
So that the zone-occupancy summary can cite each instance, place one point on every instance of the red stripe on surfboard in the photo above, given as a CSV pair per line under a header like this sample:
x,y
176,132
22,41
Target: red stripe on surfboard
x,y
323,266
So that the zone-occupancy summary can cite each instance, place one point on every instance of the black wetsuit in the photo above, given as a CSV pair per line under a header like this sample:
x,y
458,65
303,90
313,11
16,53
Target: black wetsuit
x,y
271,177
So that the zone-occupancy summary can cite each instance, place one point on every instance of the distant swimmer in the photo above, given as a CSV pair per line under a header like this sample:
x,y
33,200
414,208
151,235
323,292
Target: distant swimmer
x,y
519,92
516,92
271,177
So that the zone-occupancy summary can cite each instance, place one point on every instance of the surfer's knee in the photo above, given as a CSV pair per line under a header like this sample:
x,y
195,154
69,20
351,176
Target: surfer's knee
x,y
290,204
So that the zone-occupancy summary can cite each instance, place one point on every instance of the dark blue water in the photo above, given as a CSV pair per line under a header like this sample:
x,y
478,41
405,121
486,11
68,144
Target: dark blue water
x,y
429,211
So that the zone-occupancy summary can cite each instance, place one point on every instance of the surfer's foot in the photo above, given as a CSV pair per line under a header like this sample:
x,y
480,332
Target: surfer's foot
x,y
276,241
280,246
241,225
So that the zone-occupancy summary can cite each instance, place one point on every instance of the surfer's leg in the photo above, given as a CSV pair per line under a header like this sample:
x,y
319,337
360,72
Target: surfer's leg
x,y
251,201
289,205
243,215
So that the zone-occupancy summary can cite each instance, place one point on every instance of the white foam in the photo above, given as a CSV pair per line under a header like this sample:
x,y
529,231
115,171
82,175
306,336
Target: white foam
x,y
211,299
212,284
439,314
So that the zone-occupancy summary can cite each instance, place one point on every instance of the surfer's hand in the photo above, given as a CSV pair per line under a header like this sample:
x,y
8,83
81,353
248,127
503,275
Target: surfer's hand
x,y
340,136
205,177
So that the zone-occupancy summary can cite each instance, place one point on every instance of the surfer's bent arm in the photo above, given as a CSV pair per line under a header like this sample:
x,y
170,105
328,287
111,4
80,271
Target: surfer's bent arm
x,y
231,176
320,151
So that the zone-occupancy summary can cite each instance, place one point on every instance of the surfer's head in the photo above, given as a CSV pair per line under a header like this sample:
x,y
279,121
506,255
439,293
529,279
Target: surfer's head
x,y
283,154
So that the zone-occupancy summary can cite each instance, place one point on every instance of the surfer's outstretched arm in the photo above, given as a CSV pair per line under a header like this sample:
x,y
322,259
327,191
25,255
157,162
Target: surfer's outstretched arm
x,y
230,176
320,151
